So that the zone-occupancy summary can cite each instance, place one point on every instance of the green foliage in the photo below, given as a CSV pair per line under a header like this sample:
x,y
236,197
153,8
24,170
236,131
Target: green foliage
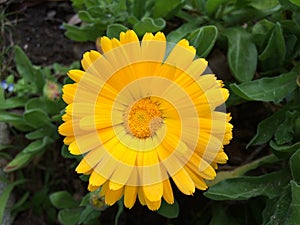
x,y
242,54
204,38
72,212
37,96
5,196
169,211
31,110
259,41
141,16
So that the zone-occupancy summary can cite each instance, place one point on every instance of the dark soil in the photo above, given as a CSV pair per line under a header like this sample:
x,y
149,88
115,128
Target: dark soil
x,y
38,31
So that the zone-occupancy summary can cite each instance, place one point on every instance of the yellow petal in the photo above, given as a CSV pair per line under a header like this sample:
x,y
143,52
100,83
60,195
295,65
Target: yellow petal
x,y
89,58
221,158
83,166
96,179
74,149
206,171
111,197
141,196
76,75
90,160
147,37
181,51
92,188
200,166
197,67
198,180
104,189
66,117
114,185
184,182
131,45
153,48
106,44
69,91
168,192
66,128
153,192
153,205
88,141
68,140
128,37
130,193
159,36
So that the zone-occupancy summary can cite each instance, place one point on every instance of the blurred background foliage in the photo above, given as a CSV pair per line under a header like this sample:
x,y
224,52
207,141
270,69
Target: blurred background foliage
x,y
259,43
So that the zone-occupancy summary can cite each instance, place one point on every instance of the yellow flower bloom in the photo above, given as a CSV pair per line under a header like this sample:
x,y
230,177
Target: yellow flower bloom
x,y
142,113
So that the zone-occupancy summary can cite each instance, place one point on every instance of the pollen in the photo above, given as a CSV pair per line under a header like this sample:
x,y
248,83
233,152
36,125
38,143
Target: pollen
x,y
143,118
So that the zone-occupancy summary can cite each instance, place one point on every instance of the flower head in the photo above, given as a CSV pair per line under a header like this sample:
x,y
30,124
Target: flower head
x,y
6,86
51,90
141,114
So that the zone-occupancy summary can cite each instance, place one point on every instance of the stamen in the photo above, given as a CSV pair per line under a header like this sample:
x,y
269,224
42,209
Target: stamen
x,y
143,118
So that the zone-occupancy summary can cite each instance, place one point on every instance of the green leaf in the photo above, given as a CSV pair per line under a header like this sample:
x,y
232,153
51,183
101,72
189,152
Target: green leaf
x,y
15,119
242,54
167,8
182,31
148,24
120,211
247,14
170,211
267,128
10,117
39,81
20,160
295,2
85,201
276,209
284,150
241,170
36,118
213,5
138,8
203,39
242,188
87,17
13,102
89,32
284,209
275,51
222,216
69,216
18,206
261,32
2,146
44,104
114,30
38,145
295,166
88,213
24,66
63,200
285,131
263,5
40,133
294,216
267,89
5,196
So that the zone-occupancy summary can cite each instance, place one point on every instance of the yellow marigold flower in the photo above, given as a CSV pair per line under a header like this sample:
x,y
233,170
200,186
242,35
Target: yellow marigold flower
x,y
142,113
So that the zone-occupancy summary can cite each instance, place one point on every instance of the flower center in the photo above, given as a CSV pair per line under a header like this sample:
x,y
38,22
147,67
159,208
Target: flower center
x,y
143,118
